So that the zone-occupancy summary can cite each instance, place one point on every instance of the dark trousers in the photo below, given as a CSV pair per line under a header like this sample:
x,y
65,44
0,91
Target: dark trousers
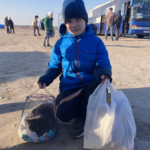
x,y
37,30
73,103
12,29
7,29
117,33
47,36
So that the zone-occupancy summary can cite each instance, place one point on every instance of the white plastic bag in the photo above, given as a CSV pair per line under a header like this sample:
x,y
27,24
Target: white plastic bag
x,y
109,127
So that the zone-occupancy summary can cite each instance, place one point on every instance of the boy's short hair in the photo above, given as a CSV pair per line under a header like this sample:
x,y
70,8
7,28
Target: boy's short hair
x,y
111,8
74,9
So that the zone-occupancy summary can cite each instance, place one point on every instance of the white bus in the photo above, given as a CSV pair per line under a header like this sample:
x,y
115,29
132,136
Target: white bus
x,y
60,20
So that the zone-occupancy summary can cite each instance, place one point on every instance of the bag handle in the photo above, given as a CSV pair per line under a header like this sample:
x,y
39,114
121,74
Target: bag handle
x,y
32,95
40,89
108,84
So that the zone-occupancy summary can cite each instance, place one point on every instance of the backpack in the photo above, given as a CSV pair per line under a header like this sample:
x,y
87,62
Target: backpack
x,y
41,24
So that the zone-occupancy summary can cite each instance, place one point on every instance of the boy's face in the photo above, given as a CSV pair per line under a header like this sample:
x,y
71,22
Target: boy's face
x,y
76,26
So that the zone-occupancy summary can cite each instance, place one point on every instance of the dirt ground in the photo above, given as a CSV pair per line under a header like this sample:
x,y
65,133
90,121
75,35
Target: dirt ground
x,y
23,60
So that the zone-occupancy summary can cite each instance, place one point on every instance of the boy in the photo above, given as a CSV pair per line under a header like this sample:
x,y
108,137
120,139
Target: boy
x,y
82,59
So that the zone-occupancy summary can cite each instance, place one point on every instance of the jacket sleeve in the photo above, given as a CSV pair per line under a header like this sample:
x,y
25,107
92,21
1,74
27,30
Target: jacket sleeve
x,y
102,62
54,66
46,23
116,19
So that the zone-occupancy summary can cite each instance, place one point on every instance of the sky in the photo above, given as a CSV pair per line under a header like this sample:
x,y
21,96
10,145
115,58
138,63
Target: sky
x,y
23,11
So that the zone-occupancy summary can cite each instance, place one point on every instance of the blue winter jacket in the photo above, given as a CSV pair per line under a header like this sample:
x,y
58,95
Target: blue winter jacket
x,y
81,60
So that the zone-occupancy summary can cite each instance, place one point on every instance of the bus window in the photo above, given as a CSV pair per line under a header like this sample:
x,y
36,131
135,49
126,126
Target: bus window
x,y
60,18
122,10
141,10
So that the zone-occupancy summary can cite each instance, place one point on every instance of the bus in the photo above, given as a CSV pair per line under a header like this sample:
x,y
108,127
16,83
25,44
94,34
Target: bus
x,y
60,20
135,17
2,26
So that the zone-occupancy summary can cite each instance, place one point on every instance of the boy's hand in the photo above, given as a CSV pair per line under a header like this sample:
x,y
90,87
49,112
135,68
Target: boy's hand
x,y
103,78
41,85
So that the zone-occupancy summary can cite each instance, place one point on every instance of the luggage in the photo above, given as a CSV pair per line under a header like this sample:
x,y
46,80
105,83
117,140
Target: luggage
x,y
52,34
109,126
41,24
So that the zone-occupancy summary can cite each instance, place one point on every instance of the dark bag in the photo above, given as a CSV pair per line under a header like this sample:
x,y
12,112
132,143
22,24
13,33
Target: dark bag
x,y
41,24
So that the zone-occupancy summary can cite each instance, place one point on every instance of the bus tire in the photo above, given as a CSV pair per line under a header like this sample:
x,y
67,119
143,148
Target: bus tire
x,y
140,36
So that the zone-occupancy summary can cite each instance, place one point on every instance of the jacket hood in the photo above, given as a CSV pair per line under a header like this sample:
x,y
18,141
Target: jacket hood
x,y
64,33
46,16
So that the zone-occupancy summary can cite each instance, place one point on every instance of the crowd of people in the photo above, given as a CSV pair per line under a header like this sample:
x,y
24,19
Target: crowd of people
x,y
9,25
110,19
48,26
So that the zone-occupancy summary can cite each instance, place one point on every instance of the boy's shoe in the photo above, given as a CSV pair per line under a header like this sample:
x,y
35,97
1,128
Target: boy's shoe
x,y
39,34
112,39
77,129
34,34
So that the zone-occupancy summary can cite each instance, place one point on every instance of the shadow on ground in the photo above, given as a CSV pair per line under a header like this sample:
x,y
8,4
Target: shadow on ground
x,y
139,100
15,65
11,107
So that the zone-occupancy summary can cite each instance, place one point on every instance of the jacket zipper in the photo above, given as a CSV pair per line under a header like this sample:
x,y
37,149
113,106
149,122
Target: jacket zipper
x,y
77,62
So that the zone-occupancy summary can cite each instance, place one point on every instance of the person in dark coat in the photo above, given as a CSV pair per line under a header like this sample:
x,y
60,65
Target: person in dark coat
x,y
118,20
6,24
11,25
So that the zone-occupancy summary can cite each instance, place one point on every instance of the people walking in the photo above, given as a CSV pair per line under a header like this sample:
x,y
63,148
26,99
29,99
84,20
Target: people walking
x,y
6,24
109,19
48,25
11,25
35,25
118,20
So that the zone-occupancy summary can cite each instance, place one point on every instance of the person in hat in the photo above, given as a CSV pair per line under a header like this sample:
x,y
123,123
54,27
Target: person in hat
x,y
81,58
48,25
35,25
6,24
